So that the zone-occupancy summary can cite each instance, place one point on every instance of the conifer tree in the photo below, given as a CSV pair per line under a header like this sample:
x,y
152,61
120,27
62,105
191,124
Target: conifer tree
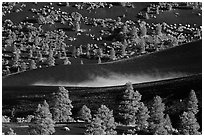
x,y
85,113
103,123
143,29
51,59
123,48
42,123
32,64
142,118
134,32
112,54
192,102
158,30
108,121
61,109
129,105
189,124
168,126
95,127
100,52
142,45
23,66
157,120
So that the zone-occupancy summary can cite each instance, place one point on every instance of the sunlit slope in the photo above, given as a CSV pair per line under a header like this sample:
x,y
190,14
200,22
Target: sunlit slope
x,y
175,62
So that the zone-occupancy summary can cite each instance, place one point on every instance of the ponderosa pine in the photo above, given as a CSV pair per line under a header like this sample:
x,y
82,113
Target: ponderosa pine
x,y
42,123
61,108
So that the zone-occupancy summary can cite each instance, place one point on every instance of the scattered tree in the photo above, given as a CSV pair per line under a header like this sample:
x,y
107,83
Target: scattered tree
x,y
157,120
142,116
23,66
51,59
103,123
112,54
143,29
32,64
129,105
192,102
123,48
95,127
169,126
106,115
189,124
42,123
85,114
61,109
158,30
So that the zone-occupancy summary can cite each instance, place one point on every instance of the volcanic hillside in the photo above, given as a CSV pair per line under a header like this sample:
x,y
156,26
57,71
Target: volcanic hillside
x,y
174,62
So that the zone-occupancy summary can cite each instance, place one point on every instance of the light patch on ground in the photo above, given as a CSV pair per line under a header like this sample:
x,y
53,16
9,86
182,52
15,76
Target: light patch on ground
x,y
112,79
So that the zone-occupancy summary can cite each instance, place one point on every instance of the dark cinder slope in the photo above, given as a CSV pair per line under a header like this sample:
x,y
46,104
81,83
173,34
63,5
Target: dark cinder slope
x,y
175,62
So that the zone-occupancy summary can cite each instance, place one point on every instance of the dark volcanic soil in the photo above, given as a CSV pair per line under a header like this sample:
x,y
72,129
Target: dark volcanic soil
x,y
175,62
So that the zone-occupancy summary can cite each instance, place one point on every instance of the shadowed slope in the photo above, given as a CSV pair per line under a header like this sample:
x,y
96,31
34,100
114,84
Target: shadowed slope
x,y
175,62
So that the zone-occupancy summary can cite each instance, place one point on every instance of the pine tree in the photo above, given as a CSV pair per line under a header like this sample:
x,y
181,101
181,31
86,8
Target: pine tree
x,y
129,105
77,26
42,123
157,120
189,124
143,29
192,102
51,59
85,113
78,53
32,64
95,127
61,109
112,54
168,126
100,52
159,29
142,45
142,118
134,32
123,48
23,66
107,118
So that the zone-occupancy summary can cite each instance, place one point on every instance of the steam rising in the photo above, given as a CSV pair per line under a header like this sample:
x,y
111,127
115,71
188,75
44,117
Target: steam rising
x,y
113,79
